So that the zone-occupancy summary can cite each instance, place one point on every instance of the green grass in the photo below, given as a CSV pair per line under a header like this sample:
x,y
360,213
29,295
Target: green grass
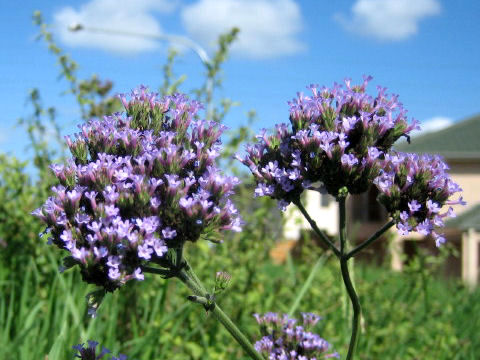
x,y
152,320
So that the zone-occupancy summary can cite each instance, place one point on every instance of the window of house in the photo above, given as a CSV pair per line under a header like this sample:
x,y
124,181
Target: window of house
x,y
324,200
365,207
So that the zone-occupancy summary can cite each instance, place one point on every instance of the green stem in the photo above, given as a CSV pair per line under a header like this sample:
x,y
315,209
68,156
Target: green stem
x,y
356,307
316,229
191,283
236,333
346,278
342,225
188,277
194,276
370,240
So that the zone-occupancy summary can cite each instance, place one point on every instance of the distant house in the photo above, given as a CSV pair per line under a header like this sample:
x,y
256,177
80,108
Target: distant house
x,y
459,144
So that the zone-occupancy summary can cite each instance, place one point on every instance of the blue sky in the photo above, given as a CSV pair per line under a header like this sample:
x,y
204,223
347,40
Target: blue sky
x,y
427,51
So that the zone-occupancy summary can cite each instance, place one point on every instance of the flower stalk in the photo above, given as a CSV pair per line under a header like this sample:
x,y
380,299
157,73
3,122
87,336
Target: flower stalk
x,y
370,240
343,255
187,276
346,277
315,227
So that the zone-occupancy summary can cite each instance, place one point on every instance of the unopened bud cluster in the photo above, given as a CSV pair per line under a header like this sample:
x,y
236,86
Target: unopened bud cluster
x,y
222,280
137,185
283,339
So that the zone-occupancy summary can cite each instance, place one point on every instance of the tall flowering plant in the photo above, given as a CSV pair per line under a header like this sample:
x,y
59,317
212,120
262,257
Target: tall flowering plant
x,y
141,184
138,186
339,142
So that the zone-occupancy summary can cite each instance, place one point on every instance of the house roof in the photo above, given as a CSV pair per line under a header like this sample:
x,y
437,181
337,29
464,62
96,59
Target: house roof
x,y
460,141
469,219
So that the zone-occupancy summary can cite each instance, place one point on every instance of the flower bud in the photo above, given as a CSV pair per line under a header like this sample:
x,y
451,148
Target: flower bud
x,y
222,280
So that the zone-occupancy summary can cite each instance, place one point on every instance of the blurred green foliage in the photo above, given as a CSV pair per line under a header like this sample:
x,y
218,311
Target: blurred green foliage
x,y
409,315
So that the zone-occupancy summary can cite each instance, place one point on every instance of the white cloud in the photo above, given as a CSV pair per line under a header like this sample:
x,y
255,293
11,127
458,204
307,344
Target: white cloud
x,y
122,15
388,19
433,124
268,28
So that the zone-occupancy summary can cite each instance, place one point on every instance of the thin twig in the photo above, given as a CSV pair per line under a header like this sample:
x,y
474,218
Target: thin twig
x,y
316,229
370,240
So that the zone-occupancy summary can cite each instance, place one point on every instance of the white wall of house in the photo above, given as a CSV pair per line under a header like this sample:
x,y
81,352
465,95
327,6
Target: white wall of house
x,y
470,258
325,214
467,175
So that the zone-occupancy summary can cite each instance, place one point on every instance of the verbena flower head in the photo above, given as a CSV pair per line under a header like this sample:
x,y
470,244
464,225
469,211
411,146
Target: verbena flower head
x,y
337,137
414,189
283,339
89,352
138,185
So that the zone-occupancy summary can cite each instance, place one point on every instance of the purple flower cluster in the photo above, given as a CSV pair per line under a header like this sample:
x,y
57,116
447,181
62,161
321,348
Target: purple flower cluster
x,y
89,352
338,136
284,340
138,185
414,188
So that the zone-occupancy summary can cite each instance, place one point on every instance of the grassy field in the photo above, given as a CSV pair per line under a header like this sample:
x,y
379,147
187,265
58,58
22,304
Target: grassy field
x,y
43,313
